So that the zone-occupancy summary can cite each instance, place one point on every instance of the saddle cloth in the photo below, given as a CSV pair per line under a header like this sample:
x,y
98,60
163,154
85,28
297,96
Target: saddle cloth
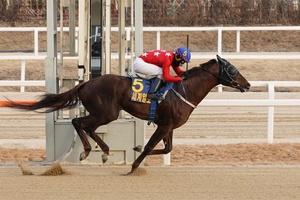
x,y
140,88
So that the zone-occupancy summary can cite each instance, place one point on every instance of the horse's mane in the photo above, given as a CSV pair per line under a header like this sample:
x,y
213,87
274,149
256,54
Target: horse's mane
x,y
212,61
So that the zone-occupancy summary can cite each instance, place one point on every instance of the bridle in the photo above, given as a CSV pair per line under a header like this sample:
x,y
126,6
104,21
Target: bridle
x,y
226,76
227,73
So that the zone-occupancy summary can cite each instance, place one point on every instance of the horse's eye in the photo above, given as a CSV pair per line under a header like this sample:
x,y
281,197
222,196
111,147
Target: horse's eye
x,y
232,70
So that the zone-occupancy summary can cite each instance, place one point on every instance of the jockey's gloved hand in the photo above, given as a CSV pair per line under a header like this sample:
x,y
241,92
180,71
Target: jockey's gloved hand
x,y
185,75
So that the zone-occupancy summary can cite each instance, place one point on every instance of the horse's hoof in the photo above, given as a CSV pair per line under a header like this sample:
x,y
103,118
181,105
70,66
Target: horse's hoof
x,y
129,173
82,156
138,148
104,158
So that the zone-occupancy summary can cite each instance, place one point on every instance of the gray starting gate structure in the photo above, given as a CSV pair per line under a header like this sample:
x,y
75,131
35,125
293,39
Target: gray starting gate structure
x,y
120,135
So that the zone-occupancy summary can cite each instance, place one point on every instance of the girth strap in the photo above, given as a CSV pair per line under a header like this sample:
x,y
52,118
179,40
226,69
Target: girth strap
x,y
152,112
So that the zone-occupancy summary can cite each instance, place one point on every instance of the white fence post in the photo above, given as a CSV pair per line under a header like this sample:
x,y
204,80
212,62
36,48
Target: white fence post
x,y
23,74
220,88
271,91
219,41
167,159
76,41
158,40
238,41
36,42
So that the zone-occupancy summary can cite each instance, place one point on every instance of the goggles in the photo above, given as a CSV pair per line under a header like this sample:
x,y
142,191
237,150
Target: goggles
x,y
180,59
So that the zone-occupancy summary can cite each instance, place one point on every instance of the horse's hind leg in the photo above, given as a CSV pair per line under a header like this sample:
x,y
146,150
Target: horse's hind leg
x,y
100,142
82,135
88,125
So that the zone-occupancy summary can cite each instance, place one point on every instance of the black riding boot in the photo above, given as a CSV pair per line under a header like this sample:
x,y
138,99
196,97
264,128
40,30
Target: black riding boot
x,y
153,90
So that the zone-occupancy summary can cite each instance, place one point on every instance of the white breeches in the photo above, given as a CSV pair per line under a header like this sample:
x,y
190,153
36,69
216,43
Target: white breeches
x,y
141,67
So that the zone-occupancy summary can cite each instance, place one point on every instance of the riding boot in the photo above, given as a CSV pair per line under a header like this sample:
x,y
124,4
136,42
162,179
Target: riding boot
x,y
153,90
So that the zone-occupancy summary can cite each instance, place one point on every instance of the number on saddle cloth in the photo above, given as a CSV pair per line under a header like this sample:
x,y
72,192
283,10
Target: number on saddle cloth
x,y
140,88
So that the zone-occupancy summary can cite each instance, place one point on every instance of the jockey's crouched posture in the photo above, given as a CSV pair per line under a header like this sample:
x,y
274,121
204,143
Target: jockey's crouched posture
x,y
158,62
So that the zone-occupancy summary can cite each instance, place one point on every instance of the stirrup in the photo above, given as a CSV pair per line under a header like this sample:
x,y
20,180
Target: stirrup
x,y
154,96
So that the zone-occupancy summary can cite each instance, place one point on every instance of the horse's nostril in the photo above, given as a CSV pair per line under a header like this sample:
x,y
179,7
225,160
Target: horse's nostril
x,y
248,85
235,84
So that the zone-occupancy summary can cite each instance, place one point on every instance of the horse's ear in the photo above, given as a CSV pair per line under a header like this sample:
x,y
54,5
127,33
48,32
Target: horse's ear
x,y
221,60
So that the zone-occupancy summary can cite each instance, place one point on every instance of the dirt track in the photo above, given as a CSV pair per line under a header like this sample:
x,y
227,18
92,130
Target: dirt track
x,y
202,182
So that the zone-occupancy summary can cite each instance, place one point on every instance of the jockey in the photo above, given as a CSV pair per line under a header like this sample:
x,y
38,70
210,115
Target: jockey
x,y
158,63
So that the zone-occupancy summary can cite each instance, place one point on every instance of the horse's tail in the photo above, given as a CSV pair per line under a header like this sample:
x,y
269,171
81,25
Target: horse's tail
x,y
51,102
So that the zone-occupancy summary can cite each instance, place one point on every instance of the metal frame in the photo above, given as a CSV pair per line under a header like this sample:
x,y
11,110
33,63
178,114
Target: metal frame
x,y
51,74
60,131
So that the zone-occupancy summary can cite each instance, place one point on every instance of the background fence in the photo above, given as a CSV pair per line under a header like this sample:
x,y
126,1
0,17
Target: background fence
x,y
181,12
217,42
216,12
218,49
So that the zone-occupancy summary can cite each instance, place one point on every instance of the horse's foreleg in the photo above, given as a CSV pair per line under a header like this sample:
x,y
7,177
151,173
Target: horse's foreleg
x,y
82,135
168,143
157,136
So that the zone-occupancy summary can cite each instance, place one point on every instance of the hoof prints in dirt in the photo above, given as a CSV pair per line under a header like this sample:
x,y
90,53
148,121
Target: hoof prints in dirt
x,y
55,170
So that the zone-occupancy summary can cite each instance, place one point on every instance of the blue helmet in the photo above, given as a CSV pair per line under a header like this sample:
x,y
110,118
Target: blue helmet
x,y
184,53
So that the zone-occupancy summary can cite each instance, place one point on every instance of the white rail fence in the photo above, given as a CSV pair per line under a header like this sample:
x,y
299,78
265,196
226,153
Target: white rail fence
x,y
36,31
220,30
22,83
158,31
237,55
270,103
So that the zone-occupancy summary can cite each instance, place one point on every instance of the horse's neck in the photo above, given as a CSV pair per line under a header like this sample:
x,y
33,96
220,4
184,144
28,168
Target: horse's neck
x,y
199,86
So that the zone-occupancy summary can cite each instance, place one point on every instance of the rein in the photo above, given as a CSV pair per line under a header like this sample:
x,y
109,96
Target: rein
x,y
227,73
183,99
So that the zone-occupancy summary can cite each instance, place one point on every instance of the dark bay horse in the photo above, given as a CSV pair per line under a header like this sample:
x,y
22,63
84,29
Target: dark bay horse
x,y
103,97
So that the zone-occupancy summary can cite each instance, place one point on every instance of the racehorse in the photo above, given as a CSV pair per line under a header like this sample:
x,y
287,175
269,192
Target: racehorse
x,y
105,96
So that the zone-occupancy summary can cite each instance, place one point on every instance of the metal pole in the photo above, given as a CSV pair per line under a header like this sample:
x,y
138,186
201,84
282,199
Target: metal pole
x,y
51,74
131,35
138,46
72,28
138,27
82,39
122,43
107,36
61,46
122,37
187,46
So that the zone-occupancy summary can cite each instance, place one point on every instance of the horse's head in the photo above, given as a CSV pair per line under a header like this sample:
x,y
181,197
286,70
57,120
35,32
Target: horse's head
x,y
230,76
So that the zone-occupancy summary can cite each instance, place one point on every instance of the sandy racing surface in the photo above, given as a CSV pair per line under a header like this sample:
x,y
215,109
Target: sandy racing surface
x,y
225,171
180,182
